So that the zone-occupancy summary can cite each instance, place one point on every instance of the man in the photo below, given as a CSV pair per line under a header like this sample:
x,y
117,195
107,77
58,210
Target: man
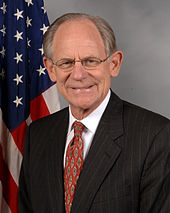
x,y
125,163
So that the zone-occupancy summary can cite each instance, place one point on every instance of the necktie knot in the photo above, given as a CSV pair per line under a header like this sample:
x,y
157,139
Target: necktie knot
x,y
78,128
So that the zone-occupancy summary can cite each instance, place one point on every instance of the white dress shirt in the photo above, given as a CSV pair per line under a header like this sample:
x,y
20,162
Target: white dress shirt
x,y
90,122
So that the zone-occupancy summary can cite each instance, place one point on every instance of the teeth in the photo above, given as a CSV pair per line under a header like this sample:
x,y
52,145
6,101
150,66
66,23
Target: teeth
x,y
81,88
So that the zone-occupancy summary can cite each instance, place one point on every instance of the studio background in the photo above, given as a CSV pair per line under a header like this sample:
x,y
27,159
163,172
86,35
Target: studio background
x,y
142,30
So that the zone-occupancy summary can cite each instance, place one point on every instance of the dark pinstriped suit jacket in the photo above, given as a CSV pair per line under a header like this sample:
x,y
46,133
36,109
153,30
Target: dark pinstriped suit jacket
x,y
127,169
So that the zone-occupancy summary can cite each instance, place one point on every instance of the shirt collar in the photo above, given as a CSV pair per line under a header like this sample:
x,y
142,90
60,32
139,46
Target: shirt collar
x,y
92,120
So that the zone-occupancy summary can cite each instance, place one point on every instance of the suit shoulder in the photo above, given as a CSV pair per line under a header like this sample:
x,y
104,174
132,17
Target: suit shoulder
x,y
142,115
50,119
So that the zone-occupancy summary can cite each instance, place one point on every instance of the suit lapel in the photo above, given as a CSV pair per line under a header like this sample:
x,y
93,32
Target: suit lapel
x,y
55,164
102,156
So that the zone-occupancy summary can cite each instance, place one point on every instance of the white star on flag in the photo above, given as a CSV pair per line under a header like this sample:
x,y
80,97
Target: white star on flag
x,y
44,28
4,6
19,14
41,50
43,8
41,70
3,30
18,58
18,79
28,42
28,22
29,2
3,52
2,74
18,101
18,35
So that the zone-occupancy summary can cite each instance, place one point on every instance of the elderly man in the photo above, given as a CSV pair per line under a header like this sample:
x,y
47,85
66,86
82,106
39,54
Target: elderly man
x,y
100,154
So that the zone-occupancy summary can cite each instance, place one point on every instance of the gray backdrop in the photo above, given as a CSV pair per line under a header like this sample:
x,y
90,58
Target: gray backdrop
x,y
142,29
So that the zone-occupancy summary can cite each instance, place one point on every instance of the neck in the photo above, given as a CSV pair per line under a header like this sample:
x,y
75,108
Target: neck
x,y
79,114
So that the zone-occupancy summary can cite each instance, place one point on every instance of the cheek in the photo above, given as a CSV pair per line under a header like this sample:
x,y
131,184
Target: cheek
x,y
60,86
62,82
61,79
105,79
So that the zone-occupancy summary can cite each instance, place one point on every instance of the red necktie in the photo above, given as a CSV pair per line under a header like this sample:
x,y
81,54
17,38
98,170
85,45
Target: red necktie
x,y
73,164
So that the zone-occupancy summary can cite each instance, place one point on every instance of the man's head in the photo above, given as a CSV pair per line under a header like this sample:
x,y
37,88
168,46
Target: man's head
x,y
79,37
103,27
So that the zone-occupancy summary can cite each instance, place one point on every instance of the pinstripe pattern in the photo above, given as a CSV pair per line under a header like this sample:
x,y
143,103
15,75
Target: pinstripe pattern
x,y
127,168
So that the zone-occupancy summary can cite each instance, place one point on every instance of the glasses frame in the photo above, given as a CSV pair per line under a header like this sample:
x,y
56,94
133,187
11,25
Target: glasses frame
x,y
81,61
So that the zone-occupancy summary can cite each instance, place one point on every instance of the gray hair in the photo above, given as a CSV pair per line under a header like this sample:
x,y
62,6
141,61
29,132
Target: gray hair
x,y
103,27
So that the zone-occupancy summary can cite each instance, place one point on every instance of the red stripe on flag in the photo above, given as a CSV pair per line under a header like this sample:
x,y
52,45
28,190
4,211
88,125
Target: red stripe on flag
x,y
19,136
38,108
9,187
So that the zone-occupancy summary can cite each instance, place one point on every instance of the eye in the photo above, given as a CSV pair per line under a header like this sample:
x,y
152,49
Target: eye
x,y
91,62
65,63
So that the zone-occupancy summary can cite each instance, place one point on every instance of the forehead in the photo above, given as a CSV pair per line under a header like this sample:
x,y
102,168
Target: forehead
x,y
76,35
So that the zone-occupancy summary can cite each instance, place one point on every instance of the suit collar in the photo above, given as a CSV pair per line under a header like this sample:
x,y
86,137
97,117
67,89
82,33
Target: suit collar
x,y
102,155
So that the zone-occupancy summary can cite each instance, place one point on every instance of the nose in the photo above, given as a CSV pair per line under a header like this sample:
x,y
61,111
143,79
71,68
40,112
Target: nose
x,y
78,71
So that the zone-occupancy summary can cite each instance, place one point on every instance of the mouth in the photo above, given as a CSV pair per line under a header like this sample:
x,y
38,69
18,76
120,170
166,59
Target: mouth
x,y
82,89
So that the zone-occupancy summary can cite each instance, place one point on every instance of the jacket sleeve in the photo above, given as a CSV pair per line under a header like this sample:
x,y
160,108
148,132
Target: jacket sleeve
x,y
155,180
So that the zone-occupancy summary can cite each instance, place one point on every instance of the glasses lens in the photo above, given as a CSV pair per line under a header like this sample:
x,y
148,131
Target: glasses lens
x,y
91,62
65,63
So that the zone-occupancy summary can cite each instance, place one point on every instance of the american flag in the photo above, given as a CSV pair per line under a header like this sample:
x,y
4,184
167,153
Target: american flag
x,y
26,92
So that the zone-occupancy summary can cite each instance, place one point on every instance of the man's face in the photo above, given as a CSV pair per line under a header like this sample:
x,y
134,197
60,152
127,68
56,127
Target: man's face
x,y
83,89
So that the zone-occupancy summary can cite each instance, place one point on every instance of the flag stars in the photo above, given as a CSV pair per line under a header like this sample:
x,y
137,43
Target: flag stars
x,y
41,50
28,42
44,28
2,52
3,30
28,22
18,14
18,58
3,8
43,8
2,74
18,35
17,101
18,79
41,70
29,2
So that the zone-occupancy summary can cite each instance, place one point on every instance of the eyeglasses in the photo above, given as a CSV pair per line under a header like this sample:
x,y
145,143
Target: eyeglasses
x,y
89,63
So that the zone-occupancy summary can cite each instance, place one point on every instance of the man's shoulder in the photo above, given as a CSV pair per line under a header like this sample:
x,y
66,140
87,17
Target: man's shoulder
x,y
138,114
50,120
133,111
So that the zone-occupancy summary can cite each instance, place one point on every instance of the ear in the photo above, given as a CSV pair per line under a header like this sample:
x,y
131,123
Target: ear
x,y
50,68
115,63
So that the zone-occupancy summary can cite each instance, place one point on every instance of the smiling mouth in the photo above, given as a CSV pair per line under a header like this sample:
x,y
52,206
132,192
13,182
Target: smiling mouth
x,y
82,88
